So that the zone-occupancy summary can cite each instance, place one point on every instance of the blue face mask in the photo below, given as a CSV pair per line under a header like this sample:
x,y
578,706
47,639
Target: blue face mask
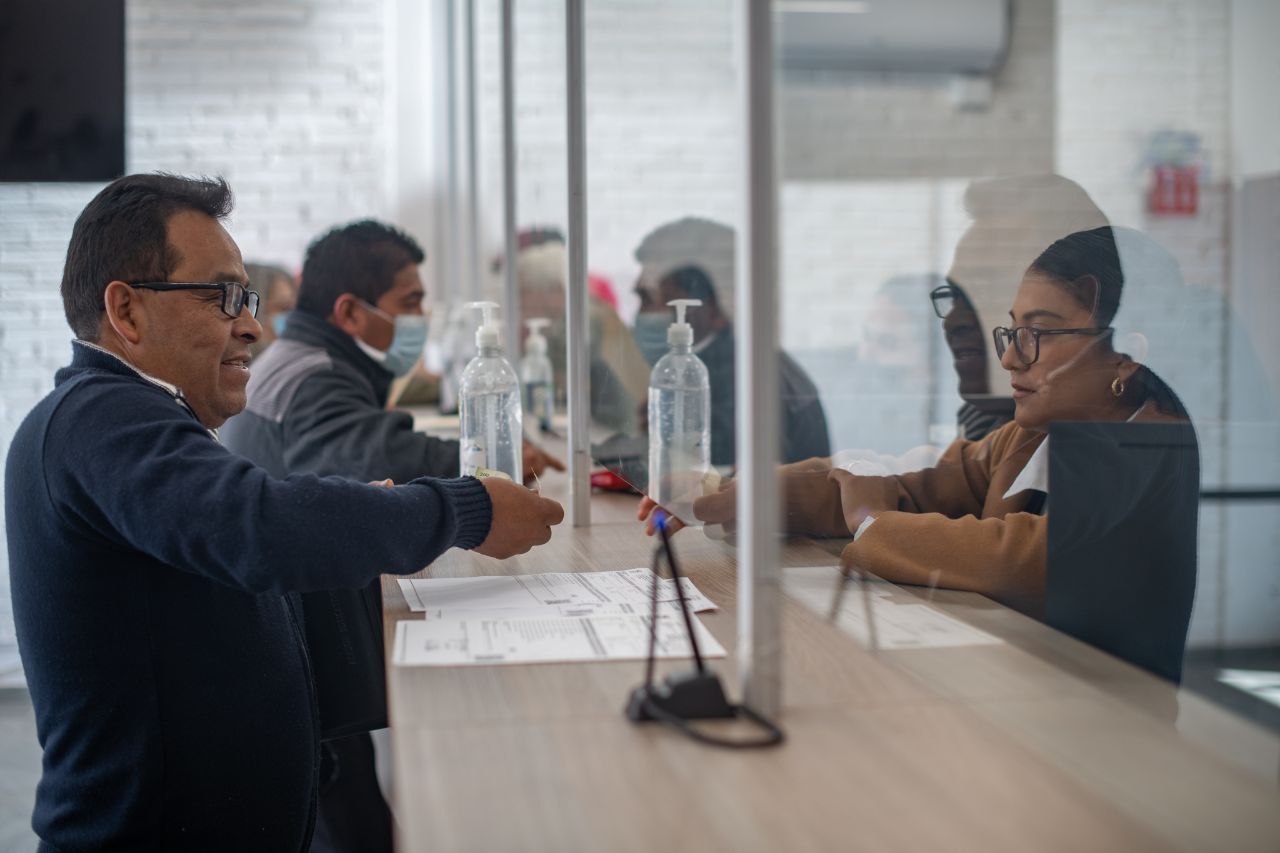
x,y
279,321
651,335
406,343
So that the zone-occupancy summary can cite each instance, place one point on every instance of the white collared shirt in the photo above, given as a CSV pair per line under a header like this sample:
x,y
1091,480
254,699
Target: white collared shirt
x,y
1035,474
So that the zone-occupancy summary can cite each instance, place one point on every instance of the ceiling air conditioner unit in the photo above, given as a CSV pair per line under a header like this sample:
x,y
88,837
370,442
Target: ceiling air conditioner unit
x,y
932,36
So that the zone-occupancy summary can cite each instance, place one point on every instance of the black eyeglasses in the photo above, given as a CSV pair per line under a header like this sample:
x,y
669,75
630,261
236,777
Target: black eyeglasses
x,y
235,296
1026,339
945,297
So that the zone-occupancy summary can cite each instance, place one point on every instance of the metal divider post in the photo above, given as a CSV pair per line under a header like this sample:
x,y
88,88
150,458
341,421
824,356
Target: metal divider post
x,y
756,376
512,297
576,250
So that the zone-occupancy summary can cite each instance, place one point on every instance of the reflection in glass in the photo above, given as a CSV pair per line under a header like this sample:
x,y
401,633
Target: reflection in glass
x,y
618,375
694,259
977,520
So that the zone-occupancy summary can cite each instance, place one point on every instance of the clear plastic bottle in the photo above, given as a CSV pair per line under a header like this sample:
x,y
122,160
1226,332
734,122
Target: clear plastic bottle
x,y
492,436
679,421
536,375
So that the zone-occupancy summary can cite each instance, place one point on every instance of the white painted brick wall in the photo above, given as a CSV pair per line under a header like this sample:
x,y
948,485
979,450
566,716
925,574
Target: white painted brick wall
x,y
1127,69
283,98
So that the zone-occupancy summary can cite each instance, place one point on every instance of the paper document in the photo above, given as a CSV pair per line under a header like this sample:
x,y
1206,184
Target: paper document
x,y
575,590
519,637
901,620
547,610
1264,684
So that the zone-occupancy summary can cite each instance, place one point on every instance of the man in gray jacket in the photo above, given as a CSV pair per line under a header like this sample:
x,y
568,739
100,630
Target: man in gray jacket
x,y
317,403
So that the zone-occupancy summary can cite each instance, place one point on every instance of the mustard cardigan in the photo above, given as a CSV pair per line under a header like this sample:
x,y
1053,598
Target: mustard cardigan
x,y
948,526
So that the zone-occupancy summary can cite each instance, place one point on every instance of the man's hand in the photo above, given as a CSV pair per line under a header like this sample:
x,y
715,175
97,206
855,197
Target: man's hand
x,y
537,460
521,519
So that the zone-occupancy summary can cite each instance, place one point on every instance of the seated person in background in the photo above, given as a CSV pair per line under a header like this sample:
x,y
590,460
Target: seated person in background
x,y
975,520
154,572
279,295
677,260
317,405
803,429
619,378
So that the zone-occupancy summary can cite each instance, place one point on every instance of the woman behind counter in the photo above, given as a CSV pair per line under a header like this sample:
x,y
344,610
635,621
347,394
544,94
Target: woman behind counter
x,y
975,520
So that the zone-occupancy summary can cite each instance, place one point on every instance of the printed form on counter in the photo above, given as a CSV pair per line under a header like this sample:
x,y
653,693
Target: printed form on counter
x,y
524,636
574,593
545,618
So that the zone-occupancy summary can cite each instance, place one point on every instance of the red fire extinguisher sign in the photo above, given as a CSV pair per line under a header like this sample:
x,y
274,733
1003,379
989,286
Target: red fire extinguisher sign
x,y
1175,191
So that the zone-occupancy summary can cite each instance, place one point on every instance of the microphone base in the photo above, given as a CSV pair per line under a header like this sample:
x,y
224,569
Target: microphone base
x,y
687,695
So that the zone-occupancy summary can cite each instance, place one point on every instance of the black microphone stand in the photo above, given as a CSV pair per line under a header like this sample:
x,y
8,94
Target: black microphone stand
x,y
696,695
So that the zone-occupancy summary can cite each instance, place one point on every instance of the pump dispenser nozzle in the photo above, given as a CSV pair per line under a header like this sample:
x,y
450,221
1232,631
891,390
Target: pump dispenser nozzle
x,y
536,343
680,333
489,335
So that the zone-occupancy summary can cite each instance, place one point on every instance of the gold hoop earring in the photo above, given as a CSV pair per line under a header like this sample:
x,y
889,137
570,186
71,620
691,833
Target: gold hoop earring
x,y
1117,388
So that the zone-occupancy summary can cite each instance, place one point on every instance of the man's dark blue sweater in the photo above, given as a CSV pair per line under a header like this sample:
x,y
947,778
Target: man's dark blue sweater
x,y
149,568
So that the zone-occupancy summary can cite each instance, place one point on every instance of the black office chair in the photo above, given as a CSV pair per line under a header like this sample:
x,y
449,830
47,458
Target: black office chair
x,y
1122,538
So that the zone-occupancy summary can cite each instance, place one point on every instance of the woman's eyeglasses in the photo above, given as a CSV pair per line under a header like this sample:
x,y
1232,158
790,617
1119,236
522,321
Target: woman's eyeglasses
x,y
1026,339
235,296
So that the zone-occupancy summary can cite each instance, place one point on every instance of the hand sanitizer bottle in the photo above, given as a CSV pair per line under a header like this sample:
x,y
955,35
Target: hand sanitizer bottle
x,y
492,440
536,376
679,421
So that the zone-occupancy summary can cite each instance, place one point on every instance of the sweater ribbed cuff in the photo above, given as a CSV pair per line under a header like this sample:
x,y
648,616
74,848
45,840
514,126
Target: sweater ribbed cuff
x,y
471,507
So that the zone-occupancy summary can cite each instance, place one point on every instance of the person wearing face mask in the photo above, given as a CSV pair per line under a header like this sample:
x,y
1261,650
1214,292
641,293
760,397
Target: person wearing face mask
x,y
693,258
317,403
618,377
317,397
650,326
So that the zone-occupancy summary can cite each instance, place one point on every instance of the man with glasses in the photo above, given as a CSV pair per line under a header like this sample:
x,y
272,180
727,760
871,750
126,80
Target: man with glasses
x,y
980,411
1013,220
151,569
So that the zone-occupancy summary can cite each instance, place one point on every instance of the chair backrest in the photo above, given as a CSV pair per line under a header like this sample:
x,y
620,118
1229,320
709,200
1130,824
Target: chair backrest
x,y
1124,501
